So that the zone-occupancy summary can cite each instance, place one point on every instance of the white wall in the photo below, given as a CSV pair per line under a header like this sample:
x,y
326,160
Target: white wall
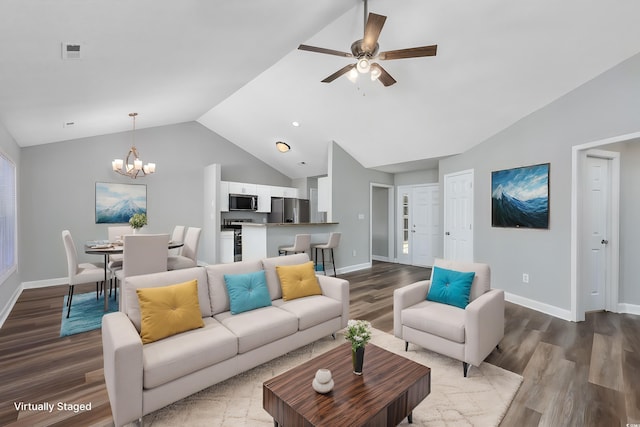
x,y
604,107
58,187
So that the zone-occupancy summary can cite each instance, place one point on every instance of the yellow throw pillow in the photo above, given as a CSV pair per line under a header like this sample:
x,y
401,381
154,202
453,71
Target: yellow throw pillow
x,y
298,281
169,310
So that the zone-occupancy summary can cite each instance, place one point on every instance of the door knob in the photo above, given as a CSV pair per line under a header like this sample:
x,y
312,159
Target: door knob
x,y
604,242
447,233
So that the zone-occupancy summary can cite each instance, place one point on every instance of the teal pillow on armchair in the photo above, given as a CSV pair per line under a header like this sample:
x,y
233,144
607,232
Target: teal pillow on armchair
x,y
450,287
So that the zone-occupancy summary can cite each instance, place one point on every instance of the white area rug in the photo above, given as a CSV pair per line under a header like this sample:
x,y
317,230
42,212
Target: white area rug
x,y
481,399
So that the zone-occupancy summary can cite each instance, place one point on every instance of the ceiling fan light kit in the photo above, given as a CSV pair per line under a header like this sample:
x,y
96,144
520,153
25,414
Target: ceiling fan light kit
x,y
366,51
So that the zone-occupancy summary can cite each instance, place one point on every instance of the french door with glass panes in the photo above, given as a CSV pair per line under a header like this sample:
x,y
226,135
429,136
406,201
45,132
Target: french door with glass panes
x,y
419,239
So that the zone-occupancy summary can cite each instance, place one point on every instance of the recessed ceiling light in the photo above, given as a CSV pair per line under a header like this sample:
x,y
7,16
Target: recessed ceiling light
x,y
282,147
296,124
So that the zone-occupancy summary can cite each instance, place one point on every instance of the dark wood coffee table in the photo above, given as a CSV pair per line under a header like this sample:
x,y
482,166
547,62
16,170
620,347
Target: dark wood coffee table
x,y
390,387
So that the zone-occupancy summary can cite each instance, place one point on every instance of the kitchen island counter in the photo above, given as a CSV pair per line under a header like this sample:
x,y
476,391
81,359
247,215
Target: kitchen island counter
x,y
262,240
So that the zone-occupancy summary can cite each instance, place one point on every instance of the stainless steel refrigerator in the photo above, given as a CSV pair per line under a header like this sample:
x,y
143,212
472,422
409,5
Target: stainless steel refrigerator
x,y
285,209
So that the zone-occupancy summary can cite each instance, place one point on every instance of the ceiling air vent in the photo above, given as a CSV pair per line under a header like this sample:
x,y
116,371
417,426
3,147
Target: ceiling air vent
x,y
70,50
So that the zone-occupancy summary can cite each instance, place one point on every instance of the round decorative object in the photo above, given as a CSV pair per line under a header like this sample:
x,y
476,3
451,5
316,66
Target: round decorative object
x,y
323,383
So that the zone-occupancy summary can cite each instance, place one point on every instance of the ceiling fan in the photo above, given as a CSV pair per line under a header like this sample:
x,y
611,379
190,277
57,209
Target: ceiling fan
x,y
365,51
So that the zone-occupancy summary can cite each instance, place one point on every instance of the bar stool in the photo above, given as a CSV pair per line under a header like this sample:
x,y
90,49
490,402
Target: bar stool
x,y
301,243
334,241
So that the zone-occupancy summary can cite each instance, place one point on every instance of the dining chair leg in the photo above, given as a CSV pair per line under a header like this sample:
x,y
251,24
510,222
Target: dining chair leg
x,y
324,267
69,296
69,300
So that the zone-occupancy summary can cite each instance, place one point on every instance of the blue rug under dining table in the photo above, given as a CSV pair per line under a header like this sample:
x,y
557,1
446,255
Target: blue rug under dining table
x,y
86,313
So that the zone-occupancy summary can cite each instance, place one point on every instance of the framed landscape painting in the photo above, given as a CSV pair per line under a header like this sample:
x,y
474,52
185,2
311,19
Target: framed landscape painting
x,y
520,197
116,203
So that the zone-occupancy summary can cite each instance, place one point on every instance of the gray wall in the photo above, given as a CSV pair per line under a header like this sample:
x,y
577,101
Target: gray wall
x,y
629,230
350,198
426,176
380,222
58,187
604,107
9,148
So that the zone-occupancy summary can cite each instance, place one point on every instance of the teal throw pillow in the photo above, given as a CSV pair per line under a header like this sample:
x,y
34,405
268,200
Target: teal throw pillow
x,y
247,291
450,287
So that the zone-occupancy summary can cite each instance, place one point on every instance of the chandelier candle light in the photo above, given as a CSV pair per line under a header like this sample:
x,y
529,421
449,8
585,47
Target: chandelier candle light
x,y
132,170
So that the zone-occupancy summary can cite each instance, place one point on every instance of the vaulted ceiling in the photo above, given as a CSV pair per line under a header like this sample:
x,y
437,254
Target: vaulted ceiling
x,y
234,67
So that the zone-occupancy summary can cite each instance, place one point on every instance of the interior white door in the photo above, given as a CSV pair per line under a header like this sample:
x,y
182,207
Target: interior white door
x,y
419,229
424,221
458,216
596,225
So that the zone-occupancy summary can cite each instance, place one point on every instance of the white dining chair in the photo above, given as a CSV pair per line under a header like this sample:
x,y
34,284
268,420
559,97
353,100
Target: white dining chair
x,y
116,234
143,254
189,255
80,273
177,236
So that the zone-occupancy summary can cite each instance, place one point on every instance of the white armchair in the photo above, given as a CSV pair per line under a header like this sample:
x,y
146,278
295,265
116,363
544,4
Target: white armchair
x,y
468,334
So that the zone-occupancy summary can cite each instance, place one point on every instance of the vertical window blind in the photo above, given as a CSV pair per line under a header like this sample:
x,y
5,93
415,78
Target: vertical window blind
x,y
8,218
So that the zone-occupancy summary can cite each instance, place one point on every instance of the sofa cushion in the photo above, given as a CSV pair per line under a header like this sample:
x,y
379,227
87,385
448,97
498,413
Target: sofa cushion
x,y
298,281
165,278
217,286
269,265
450,287
168,310
247,291
259,327
182,354
311,311
445,321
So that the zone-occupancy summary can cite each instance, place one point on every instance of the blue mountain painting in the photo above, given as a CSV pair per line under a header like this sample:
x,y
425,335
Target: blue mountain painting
x,y
520,197
116,203
118,213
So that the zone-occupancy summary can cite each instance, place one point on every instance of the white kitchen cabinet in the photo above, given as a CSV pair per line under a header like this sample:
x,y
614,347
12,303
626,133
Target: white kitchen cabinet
x,y
224,196
264,198
284,192
324,194
226,247
242,188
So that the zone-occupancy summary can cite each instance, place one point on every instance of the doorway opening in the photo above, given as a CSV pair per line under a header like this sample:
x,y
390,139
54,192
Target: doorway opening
x,y
381,198
580,244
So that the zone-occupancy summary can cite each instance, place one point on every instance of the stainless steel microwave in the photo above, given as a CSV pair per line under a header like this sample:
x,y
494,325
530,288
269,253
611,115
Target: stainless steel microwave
x,y
243,202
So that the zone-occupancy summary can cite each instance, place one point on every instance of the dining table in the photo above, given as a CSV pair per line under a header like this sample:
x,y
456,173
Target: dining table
x,y
106,248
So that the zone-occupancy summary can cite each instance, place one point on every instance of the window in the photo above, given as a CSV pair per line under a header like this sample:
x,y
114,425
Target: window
x,y
8,216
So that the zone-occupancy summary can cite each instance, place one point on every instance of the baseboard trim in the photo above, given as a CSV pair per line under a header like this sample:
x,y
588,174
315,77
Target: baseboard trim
x,y
45,283
6,310
380,258
627,308
542,307
355,267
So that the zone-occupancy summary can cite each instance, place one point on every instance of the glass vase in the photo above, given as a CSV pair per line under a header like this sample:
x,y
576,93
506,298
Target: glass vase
x,y
357,357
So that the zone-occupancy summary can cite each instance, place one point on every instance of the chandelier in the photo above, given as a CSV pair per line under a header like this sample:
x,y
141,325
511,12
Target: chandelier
x,y
132,170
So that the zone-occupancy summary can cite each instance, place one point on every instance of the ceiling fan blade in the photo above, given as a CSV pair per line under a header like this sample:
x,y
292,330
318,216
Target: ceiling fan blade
x,y
372,31
385,78
412,52
323,50
341,71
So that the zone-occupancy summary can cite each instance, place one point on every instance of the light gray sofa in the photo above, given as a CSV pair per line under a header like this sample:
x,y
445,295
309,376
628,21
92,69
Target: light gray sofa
x,y
468,334
143,378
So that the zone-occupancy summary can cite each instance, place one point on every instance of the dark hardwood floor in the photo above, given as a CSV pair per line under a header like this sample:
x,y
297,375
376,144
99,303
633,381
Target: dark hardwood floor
x,y
584,374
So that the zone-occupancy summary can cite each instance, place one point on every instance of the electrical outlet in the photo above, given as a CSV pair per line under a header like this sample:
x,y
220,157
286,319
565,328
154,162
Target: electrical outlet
x,y
525,278
354,252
